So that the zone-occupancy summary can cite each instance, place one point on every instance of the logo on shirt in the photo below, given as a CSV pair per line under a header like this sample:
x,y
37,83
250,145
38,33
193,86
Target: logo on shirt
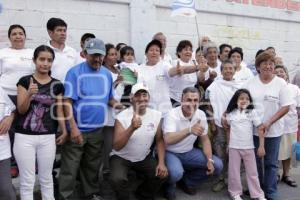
x,y
150,127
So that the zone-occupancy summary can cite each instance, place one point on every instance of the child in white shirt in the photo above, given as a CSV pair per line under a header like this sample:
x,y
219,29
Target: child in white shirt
x,y
241,118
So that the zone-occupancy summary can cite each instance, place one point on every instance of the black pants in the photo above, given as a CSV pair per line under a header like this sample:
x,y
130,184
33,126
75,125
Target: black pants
x,y
146,168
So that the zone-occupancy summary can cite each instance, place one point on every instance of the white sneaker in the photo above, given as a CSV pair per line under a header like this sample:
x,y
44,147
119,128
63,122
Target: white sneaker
x,y
262,198
237,197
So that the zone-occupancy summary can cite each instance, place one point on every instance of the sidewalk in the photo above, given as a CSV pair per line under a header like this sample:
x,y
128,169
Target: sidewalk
x,y
204,191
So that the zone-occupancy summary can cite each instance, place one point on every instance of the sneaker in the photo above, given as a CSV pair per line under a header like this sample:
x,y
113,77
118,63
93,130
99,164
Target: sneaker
x,y
219,186
96,197
237,197
261,198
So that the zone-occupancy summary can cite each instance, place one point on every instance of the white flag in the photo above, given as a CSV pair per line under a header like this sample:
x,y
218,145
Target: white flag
x,y
185,8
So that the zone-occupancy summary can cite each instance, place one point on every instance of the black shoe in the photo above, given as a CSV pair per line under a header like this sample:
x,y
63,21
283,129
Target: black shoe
x,y
185,188
169,196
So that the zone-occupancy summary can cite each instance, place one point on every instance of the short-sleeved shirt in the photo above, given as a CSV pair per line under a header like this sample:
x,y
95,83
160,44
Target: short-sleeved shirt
x,y
179,82
138,145
41,115
14,64
175,121
241,128
291,118
64,60
268,98
90,91
156,78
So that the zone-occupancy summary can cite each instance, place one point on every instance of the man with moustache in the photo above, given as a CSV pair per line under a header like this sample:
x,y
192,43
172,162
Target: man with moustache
x,y
88,92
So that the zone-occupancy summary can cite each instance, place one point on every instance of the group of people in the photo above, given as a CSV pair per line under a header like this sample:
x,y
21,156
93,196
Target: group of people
x,y
174,122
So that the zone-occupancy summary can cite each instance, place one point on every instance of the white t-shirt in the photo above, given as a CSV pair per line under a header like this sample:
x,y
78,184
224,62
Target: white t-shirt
x,y
291,118
111,112
156,78
219,94
242,76
6,107
175,121
64,60
14,64
179,83
241,128
138,145
268,99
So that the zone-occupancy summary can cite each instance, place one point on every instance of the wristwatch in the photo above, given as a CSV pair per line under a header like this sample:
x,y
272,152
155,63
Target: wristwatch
x,y
211,160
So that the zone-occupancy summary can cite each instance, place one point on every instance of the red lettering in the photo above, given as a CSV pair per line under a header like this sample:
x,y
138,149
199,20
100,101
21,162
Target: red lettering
x,y
292,5
259,2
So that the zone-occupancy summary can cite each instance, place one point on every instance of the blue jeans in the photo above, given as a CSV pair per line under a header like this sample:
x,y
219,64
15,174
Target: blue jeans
x,y
267,169
191,167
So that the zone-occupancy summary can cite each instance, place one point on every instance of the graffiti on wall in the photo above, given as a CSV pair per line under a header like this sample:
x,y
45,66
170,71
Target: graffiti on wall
x,y
239,35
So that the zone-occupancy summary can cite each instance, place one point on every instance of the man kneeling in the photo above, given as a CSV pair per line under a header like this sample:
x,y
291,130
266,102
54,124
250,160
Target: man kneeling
x,y
186,164
135,130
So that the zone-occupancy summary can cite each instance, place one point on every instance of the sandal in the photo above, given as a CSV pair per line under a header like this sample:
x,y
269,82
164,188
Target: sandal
x,y
289,181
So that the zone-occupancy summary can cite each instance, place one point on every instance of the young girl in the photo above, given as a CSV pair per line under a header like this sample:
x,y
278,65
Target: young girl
x,y
241,117
39,104
289,137
128,69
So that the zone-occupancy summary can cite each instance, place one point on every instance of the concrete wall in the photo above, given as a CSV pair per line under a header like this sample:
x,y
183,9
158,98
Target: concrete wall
x,y
135,21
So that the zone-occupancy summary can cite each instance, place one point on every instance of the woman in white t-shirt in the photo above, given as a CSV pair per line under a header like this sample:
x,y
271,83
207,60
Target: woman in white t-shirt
x,y
184,79
272,100
242,73
6,115
289,137
15,61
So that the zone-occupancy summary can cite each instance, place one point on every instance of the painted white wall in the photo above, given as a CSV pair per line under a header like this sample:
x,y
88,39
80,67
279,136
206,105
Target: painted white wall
x,y
135,21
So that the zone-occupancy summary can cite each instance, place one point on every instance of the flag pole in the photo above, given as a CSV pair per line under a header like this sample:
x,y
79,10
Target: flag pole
x,y
197,26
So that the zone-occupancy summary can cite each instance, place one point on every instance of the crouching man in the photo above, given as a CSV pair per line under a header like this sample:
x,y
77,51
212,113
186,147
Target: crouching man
x,y
187,165
135,131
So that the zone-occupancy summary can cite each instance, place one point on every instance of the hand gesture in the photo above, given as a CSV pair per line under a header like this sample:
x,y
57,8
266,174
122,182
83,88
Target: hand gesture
x,y
179,69
212,75
33,88
76,136
261,151
161,171
136,121
197,129
203,64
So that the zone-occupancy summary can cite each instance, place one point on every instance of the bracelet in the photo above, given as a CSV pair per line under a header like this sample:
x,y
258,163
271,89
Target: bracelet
x,y
190,130
211,160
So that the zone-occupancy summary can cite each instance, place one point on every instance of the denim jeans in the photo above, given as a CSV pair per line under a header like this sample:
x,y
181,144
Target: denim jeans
x,y
268,167
191,167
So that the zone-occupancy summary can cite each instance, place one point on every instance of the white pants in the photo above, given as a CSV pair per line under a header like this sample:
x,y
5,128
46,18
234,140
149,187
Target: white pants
x,y
28,149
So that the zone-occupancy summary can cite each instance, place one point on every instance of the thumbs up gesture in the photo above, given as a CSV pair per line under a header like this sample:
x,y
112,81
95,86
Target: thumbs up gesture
x,y
136,121
179,69
197,129
33,88
212,75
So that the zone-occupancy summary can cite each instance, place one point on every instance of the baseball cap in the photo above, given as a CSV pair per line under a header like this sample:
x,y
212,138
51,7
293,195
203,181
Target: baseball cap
x,y
95,46
137,87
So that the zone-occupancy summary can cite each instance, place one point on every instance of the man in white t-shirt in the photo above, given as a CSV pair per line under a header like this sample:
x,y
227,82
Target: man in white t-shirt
x,y
65,56
187,164
136,128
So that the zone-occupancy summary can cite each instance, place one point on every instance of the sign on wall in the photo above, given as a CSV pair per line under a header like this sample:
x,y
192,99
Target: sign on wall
x,y
286,10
